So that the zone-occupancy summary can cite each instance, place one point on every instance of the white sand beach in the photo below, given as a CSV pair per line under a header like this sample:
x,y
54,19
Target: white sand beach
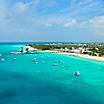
x,y
78,55
85,56
31,48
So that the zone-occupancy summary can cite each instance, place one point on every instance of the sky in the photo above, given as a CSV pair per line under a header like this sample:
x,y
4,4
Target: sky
x,y
52,20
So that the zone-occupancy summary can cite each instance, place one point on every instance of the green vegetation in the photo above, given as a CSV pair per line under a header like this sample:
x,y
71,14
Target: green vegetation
x,y
52,47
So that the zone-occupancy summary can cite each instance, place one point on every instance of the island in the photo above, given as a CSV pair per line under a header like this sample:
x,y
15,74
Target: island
x,y
92,50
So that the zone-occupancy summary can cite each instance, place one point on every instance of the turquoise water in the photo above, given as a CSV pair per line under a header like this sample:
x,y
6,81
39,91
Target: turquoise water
x,y
22,81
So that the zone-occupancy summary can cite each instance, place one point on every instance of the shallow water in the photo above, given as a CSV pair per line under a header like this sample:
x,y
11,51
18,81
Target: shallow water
x,y
22,81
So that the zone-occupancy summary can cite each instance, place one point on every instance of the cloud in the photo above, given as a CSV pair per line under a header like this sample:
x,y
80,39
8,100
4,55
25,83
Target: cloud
x,y
50,3
71,24
55,21
97,21
97,25
74,14
21,6
83,10
3,13
66,16
48,24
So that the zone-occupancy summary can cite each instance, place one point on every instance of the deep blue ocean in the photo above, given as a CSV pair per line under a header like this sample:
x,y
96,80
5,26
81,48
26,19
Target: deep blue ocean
x,y
24,81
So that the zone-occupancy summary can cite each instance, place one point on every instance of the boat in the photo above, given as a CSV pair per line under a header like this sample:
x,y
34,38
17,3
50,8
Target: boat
x,y
14,58
34,59
2,60
36,62
77,73
55,64
15,52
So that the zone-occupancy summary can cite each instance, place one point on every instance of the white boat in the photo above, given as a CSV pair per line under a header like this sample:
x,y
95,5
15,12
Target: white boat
x,y
15,52
14,58
36,62
2,60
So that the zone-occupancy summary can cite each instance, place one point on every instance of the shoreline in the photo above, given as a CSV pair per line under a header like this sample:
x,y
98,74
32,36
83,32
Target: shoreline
x,y
96,58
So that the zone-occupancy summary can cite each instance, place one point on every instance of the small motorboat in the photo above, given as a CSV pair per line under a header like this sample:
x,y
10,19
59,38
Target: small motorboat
x,y
36,62
31,53
15,52
14,58
34,59
2,60
55,64
77,73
